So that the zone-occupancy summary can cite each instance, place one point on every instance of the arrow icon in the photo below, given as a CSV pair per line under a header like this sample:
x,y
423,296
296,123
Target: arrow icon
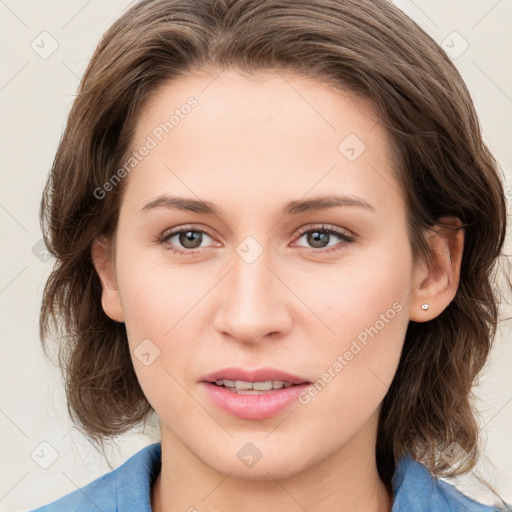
x,y
249,249
44,455
454,44
351,147
44,44
249,455
147,352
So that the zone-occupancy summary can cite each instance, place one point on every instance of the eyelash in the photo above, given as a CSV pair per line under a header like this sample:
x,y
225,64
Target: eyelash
x,y
346,239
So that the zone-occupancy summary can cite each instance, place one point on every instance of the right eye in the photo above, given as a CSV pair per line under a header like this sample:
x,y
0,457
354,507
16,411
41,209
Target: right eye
x,y
186,240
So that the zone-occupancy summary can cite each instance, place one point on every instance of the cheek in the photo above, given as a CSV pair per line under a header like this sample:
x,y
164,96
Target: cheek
x,y
367,308
161,319
155,295
353,296
163,310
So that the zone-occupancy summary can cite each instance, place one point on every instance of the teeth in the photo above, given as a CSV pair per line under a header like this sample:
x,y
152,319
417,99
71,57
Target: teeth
x,y
227,383
262,386
242,385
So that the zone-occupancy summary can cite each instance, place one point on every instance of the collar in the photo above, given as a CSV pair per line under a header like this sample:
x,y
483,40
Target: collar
x,y
416,490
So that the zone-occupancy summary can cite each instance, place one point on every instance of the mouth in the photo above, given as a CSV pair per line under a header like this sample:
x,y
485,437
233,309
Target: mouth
x,y
253,394
231,388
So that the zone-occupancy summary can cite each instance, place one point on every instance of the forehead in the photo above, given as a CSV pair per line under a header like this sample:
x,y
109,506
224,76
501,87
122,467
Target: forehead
x,y
221,133
278,99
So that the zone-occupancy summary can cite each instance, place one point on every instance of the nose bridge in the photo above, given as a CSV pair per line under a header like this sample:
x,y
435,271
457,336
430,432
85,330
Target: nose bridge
x,y
253,305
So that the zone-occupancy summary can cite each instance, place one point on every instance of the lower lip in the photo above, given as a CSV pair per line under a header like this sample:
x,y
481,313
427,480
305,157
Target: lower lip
x,y
254,407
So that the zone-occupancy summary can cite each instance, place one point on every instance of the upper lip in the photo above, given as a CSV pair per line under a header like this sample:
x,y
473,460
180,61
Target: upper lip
x,y
255,375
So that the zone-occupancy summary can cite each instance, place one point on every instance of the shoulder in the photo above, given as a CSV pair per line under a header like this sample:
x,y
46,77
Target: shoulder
x,y
126,488
416,489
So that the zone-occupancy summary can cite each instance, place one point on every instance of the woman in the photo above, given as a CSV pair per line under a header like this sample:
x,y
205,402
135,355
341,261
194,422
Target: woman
x,y
275,225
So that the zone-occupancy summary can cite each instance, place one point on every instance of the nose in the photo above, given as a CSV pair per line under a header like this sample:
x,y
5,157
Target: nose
x,y
254,302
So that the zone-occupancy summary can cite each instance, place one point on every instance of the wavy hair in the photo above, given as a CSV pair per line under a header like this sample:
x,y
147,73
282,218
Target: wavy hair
x,y
367,47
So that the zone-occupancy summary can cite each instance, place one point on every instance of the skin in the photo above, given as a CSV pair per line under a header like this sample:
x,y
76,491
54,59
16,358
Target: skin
x,y
252,144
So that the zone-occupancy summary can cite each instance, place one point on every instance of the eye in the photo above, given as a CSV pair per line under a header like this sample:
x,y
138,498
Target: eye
x,y
320,237
186,238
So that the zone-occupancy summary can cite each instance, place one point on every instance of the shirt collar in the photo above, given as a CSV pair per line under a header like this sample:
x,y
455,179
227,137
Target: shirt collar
x,y
412,485
133,483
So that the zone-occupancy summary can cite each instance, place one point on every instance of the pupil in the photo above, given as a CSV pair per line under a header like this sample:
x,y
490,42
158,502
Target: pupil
x,y
188,238
315,237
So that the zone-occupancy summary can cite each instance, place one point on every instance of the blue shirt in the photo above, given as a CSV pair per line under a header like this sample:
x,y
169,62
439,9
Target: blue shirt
x,y
128,489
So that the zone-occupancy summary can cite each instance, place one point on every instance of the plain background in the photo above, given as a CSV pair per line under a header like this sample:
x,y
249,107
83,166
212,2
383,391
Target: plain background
x,y
36,92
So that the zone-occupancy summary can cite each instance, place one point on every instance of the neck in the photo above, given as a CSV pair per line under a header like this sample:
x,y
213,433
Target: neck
x,y
347,480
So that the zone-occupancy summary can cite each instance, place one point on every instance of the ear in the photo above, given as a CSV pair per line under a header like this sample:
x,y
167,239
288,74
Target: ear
x,y
437,285
103,262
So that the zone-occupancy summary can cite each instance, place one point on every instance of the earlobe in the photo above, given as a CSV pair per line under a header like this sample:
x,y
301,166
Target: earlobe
x,y
435,287
104,265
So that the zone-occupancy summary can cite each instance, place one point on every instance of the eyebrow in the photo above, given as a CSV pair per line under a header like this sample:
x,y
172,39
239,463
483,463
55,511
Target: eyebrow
x,y
293,207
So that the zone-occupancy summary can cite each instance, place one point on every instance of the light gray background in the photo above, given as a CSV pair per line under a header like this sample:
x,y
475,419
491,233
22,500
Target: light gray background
x,y
35,96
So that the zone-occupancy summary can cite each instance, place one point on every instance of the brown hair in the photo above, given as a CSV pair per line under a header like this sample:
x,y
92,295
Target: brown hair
x,y
368,47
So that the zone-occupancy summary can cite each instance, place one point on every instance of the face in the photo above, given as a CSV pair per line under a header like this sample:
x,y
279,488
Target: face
x,y
276,277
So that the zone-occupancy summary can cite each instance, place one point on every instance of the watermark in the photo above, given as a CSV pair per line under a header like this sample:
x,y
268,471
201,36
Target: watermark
x,y
40,251
249,454
146,352
356,346
453,453
151,142
508,193
249,249
44,455
351,147
454,45
44,45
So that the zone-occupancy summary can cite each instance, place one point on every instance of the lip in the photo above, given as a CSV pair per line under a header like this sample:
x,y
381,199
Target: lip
x,y
253,407
254,375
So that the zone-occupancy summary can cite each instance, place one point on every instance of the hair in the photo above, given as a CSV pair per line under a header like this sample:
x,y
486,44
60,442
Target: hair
x,y
366,47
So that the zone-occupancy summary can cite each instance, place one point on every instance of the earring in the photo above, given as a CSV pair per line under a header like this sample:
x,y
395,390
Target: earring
x,y
424,306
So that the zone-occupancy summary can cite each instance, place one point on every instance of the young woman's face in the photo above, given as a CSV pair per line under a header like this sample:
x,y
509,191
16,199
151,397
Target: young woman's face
x,y
265,281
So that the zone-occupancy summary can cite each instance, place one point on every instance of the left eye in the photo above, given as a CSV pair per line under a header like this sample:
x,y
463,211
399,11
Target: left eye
x,y
319,237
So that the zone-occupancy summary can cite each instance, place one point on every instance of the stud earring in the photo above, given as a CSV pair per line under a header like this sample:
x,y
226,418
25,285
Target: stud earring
x,y
424,306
